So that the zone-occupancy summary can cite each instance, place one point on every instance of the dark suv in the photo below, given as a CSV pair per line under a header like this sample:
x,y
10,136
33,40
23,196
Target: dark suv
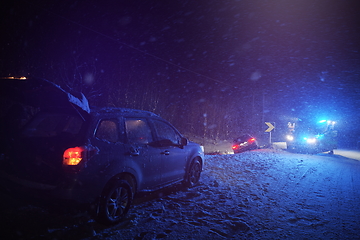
x,y
103,156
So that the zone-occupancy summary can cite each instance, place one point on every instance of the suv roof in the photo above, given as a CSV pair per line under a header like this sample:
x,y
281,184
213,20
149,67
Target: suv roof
x,y
134,112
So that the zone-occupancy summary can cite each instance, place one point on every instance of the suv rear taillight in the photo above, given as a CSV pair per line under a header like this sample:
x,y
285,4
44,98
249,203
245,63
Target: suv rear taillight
x,y
73,156
75,159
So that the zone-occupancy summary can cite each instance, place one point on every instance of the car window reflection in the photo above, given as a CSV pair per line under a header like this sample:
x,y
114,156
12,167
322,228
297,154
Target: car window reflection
x,y
138,131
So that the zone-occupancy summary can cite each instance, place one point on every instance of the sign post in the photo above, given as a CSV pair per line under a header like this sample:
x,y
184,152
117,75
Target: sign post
x,y
270,128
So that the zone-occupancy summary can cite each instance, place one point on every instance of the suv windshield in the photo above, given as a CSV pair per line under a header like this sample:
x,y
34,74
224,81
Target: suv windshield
x,y
52,125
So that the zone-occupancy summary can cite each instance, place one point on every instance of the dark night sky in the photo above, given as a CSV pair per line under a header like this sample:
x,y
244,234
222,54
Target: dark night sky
x,y
263,60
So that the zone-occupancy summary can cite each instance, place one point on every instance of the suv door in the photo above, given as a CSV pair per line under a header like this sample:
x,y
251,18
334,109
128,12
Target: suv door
x,y
173,153
109,142
146,158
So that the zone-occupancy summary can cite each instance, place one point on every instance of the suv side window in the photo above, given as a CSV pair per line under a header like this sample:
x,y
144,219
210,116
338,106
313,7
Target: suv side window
x,y
108,131
165,131
138,131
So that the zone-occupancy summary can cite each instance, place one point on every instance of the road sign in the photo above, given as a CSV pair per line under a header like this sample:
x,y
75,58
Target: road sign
x,y
271,127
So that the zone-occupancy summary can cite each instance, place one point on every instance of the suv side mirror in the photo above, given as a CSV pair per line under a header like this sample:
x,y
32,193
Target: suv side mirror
x,y
183,142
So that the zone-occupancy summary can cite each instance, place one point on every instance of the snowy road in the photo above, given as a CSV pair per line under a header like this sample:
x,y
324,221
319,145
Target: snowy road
x,y
317,198
263,194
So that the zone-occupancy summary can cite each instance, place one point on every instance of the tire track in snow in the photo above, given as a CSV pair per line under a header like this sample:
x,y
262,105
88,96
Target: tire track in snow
x,y
307,172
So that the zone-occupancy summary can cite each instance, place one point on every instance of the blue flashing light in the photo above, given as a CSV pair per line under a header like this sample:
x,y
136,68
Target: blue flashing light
x,y
322,121
319,136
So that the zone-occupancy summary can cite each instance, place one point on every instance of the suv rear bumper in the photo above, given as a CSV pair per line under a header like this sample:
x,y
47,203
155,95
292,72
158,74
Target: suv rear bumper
x,y
67,191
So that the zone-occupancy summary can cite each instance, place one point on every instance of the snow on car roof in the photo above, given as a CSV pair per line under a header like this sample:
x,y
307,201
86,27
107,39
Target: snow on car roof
x,y
82,103
124,110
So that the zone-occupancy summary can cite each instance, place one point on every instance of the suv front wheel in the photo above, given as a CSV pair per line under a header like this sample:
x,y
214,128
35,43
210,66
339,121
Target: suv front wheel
x,y
115,202
193,175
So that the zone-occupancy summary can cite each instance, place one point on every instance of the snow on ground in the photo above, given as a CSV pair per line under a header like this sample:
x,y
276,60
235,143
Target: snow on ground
x,y
262,194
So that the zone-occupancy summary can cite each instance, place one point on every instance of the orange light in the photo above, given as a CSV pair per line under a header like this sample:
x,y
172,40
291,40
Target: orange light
x,y
20,78
73,156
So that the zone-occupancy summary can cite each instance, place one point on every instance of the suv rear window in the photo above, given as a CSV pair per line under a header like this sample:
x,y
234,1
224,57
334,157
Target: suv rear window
x,y
107,131
52,125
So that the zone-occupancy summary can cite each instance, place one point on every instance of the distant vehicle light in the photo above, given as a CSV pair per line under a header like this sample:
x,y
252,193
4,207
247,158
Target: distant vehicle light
x,y
251,140
235,147
329,122
310,140
290,137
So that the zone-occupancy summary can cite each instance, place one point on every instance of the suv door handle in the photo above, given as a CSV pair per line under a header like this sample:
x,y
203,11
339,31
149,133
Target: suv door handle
x,y
134,151
166,152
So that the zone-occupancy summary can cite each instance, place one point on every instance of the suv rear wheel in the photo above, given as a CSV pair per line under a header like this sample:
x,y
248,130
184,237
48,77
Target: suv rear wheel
x,y
115,202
